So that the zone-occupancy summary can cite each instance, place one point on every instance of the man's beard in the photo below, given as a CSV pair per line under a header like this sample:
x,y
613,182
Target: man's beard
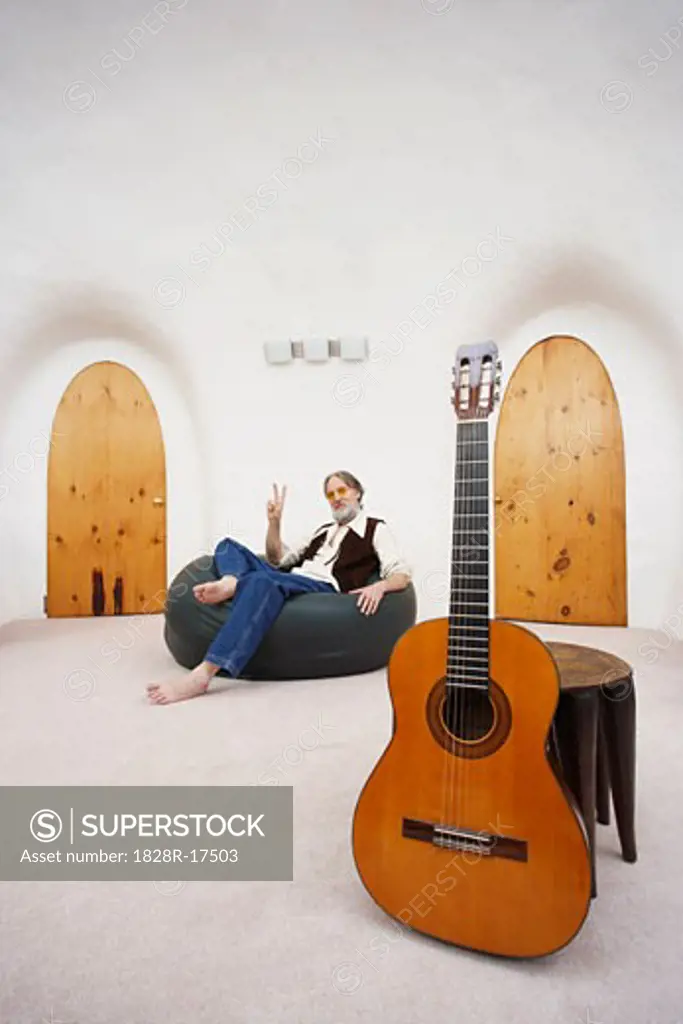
x,y
345,514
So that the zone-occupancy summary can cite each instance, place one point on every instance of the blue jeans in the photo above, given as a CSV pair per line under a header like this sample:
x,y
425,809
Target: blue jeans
x,y
261,592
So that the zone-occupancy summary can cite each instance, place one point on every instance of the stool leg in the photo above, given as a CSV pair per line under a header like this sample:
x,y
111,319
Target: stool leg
x,y
602,790
619,717
577,730
586,704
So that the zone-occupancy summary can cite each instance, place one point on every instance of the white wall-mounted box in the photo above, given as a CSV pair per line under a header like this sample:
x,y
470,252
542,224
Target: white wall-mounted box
x,y
278,351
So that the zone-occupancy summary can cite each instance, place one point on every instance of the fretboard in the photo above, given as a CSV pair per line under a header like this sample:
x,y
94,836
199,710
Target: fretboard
x,y
468,620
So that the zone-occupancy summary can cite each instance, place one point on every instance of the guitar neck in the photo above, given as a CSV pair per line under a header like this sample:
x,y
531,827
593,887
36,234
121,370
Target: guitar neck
x,y
468,620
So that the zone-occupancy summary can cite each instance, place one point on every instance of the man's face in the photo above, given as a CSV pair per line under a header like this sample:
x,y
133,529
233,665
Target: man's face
x,y
343,499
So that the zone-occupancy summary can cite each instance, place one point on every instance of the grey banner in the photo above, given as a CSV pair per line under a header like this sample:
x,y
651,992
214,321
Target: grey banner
x,y
146,833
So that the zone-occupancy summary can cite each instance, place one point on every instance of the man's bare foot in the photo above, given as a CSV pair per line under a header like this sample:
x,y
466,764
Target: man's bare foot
x,y
183,689
216,591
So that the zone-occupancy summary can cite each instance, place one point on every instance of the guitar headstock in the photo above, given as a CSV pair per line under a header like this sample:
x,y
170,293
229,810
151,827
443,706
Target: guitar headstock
x,y
477,379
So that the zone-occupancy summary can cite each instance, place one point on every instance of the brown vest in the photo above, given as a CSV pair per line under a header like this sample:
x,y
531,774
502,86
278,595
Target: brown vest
x,y
356,558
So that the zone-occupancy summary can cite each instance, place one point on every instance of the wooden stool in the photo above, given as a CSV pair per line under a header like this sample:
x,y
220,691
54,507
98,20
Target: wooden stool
x,y
596,738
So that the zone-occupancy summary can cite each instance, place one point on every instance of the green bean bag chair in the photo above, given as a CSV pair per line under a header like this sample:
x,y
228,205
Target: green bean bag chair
x,y
314,635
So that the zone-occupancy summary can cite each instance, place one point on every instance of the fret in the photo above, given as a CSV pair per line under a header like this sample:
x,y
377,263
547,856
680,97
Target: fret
x,y
470,679
457,645
463,626
465,652
467,655
462,640
453,685
460,660
465,615
470,639
475,674
468,590
469,661
466,663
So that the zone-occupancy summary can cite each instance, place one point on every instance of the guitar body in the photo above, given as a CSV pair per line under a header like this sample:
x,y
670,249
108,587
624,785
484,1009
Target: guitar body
x,y
526,891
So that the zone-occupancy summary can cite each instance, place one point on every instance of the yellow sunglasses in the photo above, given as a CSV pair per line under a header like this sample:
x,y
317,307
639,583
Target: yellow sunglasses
x,y
341,491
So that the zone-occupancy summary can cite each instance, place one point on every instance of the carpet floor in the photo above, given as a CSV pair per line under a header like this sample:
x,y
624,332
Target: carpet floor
x,y
315,950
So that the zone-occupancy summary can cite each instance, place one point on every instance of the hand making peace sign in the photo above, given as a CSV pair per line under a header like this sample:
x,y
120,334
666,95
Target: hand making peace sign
x,y
276,505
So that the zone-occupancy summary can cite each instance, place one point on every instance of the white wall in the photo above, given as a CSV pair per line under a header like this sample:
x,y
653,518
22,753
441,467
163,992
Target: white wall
x,y
543,126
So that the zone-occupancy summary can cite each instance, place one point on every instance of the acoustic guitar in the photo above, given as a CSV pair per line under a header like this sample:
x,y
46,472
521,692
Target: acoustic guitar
x,y
464,830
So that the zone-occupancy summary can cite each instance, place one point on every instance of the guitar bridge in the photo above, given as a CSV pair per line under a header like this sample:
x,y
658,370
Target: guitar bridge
x,y
465,840
462,839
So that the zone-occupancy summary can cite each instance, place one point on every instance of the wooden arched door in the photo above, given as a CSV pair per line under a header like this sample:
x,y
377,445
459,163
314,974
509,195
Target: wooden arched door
x,y
560,491
106,498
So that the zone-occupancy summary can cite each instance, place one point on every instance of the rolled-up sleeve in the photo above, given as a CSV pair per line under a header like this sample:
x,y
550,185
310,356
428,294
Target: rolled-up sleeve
x,y
391,559
291,555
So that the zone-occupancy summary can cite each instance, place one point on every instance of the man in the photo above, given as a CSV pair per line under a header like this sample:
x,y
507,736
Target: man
x,y
341,556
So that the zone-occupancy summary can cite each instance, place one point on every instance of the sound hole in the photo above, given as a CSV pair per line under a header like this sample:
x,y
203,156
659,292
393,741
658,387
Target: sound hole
x,y
468,714
468,722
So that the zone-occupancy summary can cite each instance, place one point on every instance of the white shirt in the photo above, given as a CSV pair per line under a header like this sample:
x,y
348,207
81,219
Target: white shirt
x,y
320,566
